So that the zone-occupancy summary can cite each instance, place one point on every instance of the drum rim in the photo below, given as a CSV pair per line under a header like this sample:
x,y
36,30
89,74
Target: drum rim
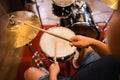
x,y
64,5
61,59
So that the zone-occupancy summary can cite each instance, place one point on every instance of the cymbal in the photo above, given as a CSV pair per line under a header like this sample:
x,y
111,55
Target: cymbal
x,y
15,33
111,3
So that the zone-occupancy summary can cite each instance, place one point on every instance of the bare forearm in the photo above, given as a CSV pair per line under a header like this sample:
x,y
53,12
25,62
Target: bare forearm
x,y
83,42
53,77
101,48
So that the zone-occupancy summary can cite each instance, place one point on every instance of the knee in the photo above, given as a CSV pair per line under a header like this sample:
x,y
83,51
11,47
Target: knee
x,y
31,69
28,72
33,73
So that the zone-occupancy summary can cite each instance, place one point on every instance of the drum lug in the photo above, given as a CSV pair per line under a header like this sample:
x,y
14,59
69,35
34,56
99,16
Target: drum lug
x,y
36,54
62,58
30,44
40,64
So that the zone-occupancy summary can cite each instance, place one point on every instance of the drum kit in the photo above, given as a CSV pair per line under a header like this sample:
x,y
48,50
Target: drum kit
x,y
21,27
77,16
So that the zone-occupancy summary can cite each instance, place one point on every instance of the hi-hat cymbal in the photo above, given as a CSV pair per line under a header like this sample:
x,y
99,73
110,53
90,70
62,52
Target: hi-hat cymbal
x,y
15,33
111,3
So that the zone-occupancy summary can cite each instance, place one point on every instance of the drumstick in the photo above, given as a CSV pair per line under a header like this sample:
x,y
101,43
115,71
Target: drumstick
x,y
43,30
55,52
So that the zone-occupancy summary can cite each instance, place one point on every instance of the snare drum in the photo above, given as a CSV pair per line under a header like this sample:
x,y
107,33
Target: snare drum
x,y
51,45
62,8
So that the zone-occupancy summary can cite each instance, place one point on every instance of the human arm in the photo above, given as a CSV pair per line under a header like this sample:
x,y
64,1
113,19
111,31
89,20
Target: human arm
x,y
83,42
54,71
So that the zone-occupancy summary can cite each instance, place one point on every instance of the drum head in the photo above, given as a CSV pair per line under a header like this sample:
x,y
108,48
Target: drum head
x,y
50,44
85,30
63,3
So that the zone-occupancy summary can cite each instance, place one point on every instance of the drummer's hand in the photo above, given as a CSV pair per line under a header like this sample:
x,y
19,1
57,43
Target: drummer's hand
x,y
54,69
81,41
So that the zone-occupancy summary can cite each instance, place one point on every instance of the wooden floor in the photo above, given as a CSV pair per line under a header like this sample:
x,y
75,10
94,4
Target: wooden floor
x,y
9,62
10,57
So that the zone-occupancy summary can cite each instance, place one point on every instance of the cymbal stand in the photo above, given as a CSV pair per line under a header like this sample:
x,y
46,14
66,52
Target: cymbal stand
x,y
38,11
107,22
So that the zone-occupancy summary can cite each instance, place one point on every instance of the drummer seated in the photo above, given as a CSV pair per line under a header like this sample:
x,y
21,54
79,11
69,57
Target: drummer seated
x,y
90,45
106,68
